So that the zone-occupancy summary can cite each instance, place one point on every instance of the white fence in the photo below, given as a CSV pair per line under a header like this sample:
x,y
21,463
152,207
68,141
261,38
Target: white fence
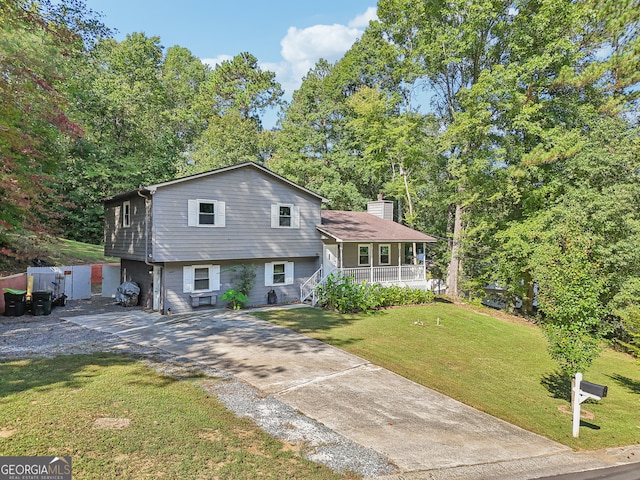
x,y
73,281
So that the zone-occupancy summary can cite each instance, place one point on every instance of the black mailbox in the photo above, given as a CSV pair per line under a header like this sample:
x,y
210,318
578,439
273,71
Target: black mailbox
x,y
594,389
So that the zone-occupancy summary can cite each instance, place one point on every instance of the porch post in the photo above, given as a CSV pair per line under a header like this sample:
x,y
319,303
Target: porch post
x,y
371,257
400,245
424,262
340,253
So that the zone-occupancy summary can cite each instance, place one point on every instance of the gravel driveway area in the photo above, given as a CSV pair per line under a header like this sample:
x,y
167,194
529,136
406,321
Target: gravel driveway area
x,y
50,335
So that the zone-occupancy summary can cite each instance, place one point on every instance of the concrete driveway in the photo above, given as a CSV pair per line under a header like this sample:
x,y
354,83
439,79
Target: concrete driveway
x,y
425,434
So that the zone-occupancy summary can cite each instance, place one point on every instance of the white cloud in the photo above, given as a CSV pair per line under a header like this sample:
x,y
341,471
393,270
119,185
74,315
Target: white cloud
x,y
362,21
212,62
303,47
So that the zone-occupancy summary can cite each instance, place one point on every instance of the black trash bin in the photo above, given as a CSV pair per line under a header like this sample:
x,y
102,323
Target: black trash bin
x,y
41,303
14,304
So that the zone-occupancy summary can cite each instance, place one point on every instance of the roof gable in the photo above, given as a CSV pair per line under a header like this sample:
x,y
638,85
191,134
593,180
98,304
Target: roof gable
x,y
155,187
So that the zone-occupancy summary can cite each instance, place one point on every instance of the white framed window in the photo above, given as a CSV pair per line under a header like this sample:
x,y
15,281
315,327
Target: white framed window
x,y
278,273
364,255
200,278
207,213
384,254
284,215
126,214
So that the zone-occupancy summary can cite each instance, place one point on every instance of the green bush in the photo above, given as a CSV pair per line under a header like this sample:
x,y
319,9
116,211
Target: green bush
x,y
342,294
235,299
396,296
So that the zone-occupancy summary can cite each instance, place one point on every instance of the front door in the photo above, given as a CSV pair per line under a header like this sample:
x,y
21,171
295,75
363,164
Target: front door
x,y
330,260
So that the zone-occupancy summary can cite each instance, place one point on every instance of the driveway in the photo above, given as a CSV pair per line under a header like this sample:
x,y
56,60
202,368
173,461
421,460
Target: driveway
x,y
423,433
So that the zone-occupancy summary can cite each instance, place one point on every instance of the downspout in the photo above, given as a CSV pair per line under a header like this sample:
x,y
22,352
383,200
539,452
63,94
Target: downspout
x,y
146,228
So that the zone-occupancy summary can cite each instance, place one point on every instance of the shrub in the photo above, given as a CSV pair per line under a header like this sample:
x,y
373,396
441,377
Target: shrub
x,y
235,299
342,294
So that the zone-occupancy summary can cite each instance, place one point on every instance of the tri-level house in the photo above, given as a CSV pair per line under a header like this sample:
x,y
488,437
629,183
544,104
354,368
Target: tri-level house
x,y
182,240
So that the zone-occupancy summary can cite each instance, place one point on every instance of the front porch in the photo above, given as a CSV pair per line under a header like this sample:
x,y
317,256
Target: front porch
x,y
414,276
403,274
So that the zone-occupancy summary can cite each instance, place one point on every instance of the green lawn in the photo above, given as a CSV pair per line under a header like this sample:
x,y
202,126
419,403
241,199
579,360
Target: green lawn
x,y
175,429
498,366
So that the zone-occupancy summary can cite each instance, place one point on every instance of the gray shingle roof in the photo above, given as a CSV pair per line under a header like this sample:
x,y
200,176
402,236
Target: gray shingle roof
x,y
363,227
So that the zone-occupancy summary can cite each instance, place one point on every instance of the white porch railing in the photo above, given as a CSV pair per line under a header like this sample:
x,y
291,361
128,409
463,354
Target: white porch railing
x,y
387,275
404,274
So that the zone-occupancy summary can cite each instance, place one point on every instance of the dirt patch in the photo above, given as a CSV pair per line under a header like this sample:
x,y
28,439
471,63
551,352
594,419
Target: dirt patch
x,y
6,432
112,423
587,415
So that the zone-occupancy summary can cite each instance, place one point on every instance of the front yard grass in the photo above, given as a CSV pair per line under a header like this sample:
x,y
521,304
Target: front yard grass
x,y
118,418
499,366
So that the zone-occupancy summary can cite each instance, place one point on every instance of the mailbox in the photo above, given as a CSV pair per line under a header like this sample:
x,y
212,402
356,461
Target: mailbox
x,y
594,389
583,391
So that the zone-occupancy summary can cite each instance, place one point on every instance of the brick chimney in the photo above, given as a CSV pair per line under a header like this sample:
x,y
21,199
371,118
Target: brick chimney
x,y
381,208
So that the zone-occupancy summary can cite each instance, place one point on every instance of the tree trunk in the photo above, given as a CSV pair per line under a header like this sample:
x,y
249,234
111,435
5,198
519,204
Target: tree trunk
x,y
527,300
455,265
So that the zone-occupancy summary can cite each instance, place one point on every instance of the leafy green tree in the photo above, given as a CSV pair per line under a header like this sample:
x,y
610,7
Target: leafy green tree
x,y
230,103
310,147
240,85
229,139
38,41
132,136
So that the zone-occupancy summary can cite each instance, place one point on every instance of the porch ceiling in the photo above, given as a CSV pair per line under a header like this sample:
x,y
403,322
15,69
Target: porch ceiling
x,y
346,226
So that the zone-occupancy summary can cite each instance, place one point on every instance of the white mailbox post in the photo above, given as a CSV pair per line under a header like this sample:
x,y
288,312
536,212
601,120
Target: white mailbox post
x,y
582,391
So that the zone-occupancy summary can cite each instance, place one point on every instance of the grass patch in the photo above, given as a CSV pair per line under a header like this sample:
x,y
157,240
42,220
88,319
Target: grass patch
x,y
51,250
499,366
119,419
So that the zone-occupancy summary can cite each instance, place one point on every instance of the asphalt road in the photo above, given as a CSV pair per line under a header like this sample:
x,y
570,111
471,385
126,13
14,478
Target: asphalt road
x,y
623,472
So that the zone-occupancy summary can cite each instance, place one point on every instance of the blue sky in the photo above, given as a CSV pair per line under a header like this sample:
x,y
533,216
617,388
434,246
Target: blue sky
x,y
287,36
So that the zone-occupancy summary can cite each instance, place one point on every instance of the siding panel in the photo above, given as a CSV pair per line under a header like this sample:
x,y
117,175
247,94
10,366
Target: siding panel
x,y
248,195
179,302
125,242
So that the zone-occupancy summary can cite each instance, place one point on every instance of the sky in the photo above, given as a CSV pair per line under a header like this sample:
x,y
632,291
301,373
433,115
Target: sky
x,y
286,36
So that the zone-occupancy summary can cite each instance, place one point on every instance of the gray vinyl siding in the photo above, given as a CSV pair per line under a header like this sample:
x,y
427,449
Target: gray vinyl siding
x,y
125,242
180,302
381,208
248,194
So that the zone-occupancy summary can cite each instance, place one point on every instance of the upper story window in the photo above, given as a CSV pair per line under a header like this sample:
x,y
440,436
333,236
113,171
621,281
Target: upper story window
x,y
285,215
206,213
363,255
126,214
384,255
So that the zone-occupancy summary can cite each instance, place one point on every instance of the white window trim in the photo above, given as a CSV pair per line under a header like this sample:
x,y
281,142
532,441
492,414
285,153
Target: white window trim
x,y
288,274
275,215
126,214
188,278
219,209
368,247
388,245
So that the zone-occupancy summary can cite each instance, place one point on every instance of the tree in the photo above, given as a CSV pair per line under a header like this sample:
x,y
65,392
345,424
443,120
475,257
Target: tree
x,y
240,85
230,103
449,44
37,43
134,134
395,145
310,148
